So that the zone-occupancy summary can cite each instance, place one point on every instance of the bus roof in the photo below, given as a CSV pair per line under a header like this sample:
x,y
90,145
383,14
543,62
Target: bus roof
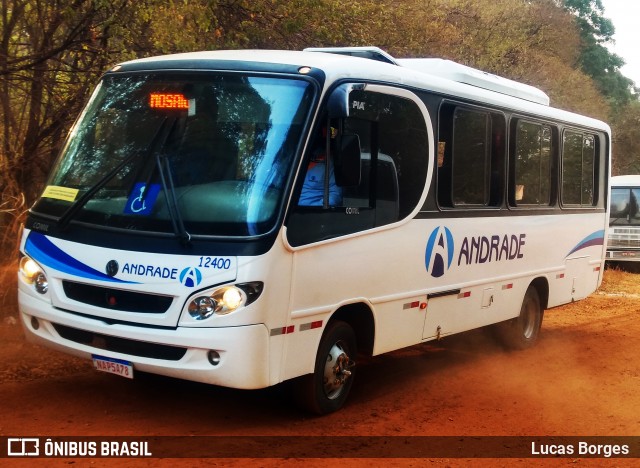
x,y
436,75
631,180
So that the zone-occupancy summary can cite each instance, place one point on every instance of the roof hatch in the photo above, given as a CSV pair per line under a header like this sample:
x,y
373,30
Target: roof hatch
x,y
449,70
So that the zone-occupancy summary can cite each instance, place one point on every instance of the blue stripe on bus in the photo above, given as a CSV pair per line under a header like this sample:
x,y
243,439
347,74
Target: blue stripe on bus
x,y
597,238
43,251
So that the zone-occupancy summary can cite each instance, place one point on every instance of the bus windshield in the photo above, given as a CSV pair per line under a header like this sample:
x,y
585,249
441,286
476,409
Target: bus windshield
x,y
624,206
211,152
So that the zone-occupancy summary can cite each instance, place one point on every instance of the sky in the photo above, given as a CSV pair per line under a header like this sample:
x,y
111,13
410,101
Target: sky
x,y
625,15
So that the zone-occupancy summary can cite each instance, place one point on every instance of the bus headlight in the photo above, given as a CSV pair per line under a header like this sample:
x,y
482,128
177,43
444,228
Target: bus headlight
x,y
202,307
32,274
224,300
29,269
232,298
40,283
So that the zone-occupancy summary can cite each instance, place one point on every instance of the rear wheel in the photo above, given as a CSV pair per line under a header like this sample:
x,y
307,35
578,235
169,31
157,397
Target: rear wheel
x,y
327,389
522,332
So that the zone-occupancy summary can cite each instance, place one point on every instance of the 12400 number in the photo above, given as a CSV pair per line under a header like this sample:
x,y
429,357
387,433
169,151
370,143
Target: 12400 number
x,y
215,262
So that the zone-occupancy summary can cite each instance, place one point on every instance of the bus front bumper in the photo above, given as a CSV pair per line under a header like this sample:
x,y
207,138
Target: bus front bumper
x,y
236,357
623,255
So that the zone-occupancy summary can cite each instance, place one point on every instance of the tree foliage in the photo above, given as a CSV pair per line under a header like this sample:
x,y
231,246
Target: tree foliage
x,y
53,51
595,60
625,139
50,54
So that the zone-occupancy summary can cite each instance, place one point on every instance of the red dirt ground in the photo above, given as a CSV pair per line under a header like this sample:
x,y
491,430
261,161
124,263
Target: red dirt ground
x,y
582,379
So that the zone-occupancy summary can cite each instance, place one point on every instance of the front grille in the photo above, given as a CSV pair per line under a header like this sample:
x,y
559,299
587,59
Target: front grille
x,y
121,345
623,242
116,299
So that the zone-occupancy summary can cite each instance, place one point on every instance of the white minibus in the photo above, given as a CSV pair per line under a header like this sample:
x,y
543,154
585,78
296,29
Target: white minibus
x,y
245,218
623,241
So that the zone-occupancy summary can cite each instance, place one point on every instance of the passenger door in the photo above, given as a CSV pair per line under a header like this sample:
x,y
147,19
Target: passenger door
x,y
341,251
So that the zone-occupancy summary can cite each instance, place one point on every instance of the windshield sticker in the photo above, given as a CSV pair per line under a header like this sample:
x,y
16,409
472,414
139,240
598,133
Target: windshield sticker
x,y
60,193
141,200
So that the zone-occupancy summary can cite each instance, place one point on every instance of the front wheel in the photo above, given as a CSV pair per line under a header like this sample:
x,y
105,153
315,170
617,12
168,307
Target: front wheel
x,y
522,332
327,389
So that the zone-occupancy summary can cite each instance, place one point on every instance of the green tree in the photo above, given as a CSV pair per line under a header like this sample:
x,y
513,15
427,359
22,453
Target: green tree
x,y
532,42
53,51
626,140
595,59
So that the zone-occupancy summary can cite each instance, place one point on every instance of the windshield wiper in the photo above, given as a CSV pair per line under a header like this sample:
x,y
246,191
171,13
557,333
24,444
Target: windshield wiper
x,y
162,163
68,215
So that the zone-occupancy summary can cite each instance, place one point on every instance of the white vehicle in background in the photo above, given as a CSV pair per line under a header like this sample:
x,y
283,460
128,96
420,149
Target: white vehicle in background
x,y
170,238
623,242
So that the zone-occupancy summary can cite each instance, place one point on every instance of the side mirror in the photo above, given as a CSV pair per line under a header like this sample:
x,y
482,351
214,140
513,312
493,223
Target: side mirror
x,y
348,161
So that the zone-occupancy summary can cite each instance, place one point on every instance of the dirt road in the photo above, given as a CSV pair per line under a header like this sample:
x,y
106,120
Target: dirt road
x,y
582,379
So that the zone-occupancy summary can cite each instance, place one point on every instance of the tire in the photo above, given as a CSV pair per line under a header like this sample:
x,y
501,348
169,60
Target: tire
x,y
327,389
522,332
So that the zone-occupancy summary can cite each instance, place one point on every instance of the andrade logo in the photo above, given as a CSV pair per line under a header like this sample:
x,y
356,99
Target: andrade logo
x,y
190,277
439,253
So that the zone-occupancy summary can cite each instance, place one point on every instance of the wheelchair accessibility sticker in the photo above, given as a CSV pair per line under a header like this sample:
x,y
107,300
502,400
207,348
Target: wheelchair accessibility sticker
x,y
142,199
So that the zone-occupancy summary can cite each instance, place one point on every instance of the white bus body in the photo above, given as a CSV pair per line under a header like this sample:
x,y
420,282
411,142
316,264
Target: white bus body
x,y
461,205
623,242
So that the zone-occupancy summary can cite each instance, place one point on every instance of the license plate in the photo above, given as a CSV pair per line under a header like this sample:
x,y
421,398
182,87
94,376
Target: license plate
x,y
113,366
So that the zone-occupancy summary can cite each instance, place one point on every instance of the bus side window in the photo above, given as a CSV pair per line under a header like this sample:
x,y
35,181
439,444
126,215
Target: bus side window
x,y
394,160
319,164
579,168
470,157
397,144
531,164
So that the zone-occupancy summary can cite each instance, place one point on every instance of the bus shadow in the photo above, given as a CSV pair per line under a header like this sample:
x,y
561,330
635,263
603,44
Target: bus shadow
x,y
396,369
628,267
377,377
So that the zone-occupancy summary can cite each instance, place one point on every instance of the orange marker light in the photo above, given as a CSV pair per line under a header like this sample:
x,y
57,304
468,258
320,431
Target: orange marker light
x,y
168,101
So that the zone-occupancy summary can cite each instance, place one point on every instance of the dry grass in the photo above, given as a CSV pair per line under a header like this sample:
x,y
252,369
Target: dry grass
x,y
8,288
621,279
12,214
13,209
